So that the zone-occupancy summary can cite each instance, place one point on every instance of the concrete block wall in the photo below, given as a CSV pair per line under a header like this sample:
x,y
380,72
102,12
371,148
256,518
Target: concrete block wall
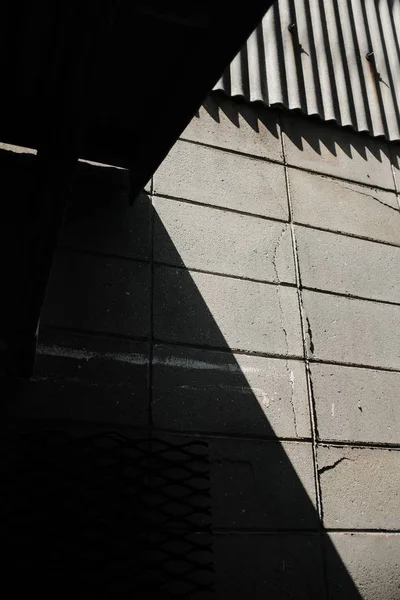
x,y
250,297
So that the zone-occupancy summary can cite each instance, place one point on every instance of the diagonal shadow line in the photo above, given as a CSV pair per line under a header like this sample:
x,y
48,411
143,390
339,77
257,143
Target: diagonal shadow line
x,y
258,486
264,520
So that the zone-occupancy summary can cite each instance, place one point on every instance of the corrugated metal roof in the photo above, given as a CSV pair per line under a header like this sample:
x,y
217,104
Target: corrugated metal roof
x,y
338,59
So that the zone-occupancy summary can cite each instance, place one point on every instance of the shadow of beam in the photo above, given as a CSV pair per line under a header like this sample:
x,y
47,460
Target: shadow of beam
x,y
268,538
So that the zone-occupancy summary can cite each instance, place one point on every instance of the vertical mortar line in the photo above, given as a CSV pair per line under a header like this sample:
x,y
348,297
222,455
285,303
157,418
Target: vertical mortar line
x,y
313,417
151,308
311,402
310,394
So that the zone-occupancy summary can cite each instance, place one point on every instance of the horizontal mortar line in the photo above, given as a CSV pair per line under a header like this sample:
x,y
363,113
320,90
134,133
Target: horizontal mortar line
x,y
284,162
62,422
189,269
91,332
62,246
292,531
128,428
145,261
220,208
131,428
178,344
260,354
362,531
346,234
339,178
247,437
250,155
338,363
277,220
225,350
349,296
160,341
354,444
266,531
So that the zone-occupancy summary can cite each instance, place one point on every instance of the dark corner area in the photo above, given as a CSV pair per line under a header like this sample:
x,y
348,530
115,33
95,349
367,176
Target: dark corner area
x,y
199,350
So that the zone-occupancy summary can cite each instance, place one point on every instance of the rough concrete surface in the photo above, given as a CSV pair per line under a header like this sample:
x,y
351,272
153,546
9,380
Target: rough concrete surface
x,y
87,378
218,359
262,485
352,331
238,127
360,487
344,206
294,567
197,308
219,178
204,238
116,299
100,219
356,405
220,392
333,151
348,266
372,561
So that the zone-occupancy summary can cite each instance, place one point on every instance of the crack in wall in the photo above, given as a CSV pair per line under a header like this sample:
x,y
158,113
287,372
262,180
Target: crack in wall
x,y
333,465
345,187
289,371
310,391
275,252
291,378
310,336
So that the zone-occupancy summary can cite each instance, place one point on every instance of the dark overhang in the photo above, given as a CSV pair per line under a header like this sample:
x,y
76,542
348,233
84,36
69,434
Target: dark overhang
x,y
116,82
134,72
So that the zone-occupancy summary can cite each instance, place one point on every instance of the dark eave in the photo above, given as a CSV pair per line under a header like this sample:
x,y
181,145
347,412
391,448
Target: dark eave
x,y
112,81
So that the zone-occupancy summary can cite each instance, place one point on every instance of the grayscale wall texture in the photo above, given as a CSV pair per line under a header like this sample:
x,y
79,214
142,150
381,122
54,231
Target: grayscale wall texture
x,y
251,298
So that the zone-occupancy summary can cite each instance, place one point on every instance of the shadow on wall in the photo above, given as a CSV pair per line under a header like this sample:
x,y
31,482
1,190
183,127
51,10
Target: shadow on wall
x,y
268,541
322,137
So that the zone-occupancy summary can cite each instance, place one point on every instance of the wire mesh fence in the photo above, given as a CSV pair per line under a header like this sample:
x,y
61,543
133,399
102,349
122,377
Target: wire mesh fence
x,y
100,514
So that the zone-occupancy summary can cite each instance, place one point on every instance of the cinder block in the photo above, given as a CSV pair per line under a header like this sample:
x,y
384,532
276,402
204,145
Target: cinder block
x,y
346,265
225,123
219,178
201,309
360,487
358,332
82,378
213,240
262,485
99,218
203,390
362,566
91,292
359,405
268,566
331,150
343,206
